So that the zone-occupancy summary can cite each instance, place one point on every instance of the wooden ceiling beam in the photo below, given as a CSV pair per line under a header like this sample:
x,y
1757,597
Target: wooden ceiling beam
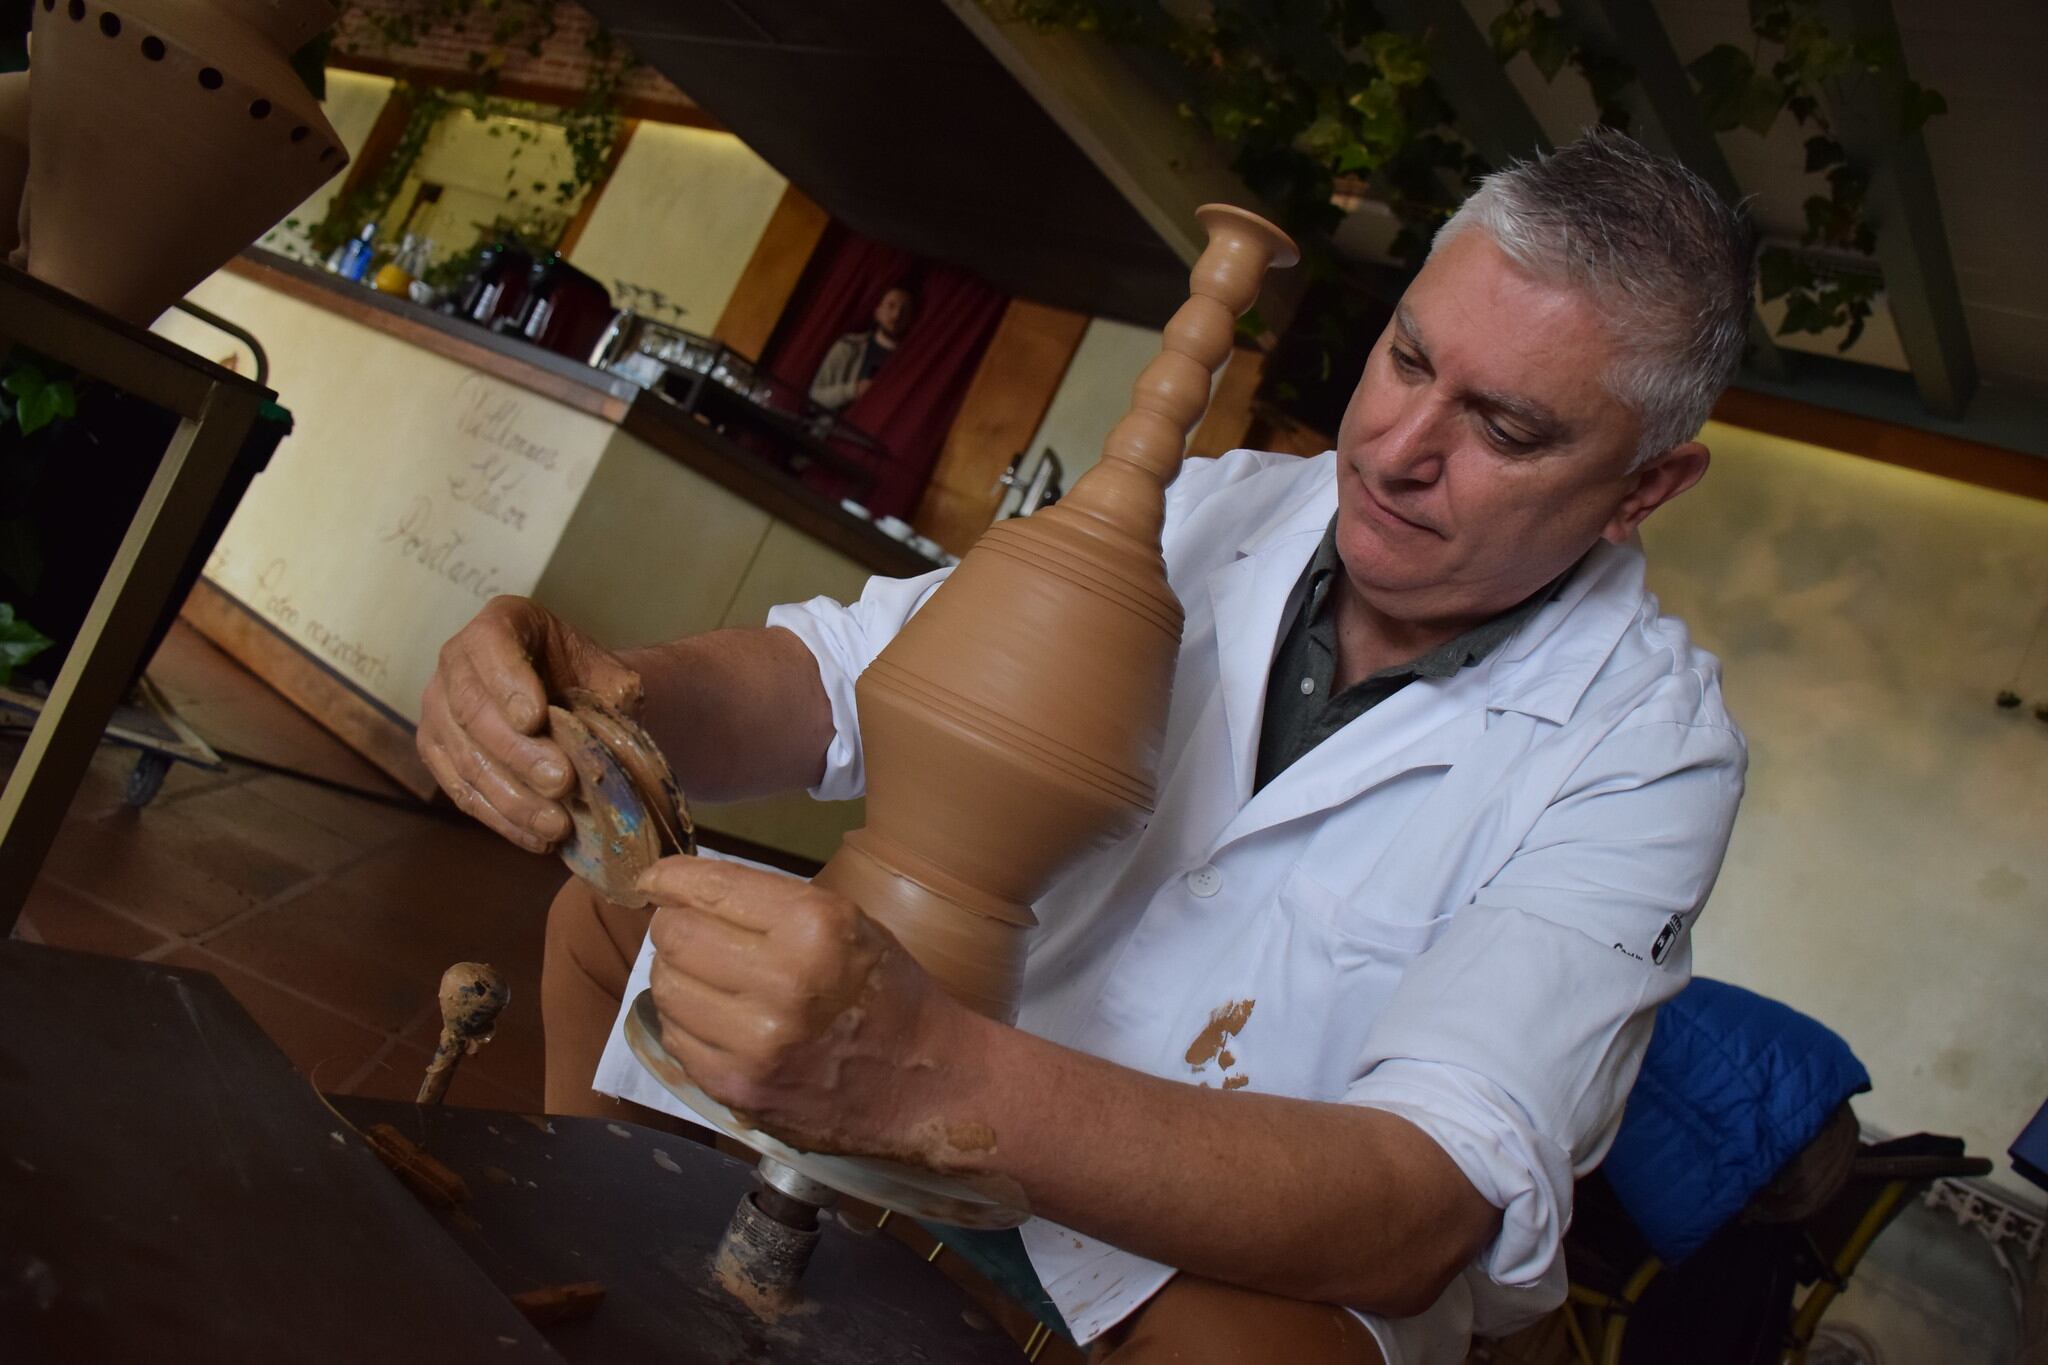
x,y
1164,164
1905,210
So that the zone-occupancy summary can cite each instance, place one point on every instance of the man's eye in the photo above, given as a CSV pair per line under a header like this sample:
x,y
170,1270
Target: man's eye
x,y
1513,445
1403,361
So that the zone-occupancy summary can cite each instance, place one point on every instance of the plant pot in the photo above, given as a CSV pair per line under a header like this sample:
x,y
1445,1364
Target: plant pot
x,y
164,137
13,154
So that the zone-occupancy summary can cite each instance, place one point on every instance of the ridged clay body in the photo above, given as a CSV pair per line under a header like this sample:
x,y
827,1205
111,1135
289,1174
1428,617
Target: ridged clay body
x,y
1015,723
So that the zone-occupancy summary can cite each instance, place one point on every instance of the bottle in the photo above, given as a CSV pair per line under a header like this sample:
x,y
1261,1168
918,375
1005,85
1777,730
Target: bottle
x,y
400,271
355,257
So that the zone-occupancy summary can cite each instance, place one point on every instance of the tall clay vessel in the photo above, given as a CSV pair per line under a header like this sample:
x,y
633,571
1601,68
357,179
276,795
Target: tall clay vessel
x,y
1016,722
164,136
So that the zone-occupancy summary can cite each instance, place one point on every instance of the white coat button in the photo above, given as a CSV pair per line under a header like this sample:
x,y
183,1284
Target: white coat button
x,y
1308,685
1205,881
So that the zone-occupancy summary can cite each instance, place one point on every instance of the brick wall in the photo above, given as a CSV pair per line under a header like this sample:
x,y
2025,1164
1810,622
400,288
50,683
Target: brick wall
x,y
562,66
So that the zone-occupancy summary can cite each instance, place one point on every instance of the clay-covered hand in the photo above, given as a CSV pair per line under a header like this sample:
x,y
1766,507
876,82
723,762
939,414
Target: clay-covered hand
x,y
790,1007
484,714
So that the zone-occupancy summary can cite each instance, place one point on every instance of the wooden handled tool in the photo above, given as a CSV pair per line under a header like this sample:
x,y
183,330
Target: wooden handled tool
x,y
472,995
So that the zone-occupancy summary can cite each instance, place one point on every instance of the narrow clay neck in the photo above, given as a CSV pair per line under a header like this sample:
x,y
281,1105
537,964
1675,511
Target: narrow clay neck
x,y
1143,452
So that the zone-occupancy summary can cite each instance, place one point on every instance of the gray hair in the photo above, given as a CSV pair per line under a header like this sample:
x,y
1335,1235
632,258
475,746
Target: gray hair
x,y
1669,263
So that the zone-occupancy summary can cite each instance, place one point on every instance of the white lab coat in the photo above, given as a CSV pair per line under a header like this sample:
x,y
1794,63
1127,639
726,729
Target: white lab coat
x,y
1464,907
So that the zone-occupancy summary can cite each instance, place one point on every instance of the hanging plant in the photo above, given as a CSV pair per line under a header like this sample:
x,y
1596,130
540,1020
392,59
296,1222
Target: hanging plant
x,y
1804,76
591,126
1302,94
1554,42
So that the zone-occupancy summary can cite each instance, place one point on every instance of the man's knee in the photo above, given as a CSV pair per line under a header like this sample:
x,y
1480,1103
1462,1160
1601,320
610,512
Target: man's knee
x,y
1195,1321
590,938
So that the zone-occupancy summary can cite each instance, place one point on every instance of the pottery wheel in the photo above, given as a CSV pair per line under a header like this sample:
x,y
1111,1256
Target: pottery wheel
x,y
890,1184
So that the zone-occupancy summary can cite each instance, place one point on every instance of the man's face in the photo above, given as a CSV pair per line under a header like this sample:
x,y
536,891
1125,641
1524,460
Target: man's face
x,y
892,314
1481,454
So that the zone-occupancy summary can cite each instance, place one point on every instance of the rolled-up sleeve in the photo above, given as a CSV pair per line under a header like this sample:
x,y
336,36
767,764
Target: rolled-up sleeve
x,y
845,640
1513,1040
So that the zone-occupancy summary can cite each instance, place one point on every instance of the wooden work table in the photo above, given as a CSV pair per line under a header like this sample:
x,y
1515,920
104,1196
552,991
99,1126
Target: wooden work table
x,y
434,465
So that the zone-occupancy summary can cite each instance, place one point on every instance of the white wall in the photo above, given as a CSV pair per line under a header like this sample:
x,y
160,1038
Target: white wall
x,y
1889,871
682,214
1094,395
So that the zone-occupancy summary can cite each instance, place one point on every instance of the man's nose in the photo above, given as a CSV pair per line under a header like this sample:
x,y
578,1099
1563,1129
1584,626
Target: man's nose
x,y
1412,449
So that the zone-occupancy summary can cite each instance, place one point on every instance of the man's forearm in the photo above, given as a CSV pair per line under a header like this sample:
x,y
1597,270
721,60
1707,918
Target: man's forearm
x,y
1330,1202
738,713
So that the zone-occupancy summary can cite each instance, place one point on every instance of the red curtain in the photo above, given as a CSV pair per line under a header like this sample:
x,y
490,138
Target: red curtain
x,y
847,277
916,395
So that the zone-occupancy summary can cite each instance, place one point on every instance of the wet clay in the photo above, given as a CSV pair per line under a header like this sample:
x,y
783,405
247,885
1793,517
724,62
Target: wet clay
x,y
627,810
1225,1021
472,996
1015,723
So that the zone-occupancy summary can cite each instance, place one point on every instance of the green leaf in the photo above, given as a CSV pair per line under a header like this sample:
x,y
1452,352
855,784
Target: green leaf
x,y
1510,31
40,407
23,379
1779,272
1822,152
1401,60
1550,47
1759,105
19,642
1724,75
1917,104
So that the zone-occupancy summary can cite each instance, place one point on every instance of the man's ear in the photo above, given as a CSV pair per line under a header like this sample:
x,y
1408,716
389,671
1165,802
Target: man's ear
x,y
1655,484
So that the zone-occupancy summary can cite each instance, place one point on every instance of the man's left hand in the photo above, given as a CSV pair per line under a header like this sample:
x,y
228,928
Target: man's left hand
x,y
789,1006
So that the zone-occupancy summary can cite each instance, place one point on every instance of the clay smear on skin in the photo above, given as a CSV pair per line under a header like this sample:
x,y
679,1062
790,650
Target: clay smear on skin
x,y
1224,1021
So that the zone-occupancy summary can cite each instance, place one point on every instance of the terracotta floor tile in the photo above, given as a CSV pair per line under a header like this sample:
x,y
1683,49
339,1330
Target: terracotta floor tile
x,y
363,820
63,918
246,811
373,940
325,1046
180,874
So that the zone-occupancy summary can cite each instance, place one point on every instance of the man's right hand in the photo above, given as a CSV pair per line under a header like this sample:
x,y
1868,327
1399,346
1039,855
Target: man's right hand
x,y
484,716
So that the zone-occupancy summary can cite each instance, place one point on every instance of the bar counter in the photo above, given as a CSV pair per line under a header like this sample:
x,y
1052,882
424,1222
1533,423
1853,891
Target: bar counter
x,y
434,465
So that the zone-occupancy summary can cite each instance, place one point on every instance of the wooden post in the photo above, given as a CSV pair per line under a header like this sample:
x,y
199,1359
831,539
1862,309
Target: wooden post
x,y
1006,400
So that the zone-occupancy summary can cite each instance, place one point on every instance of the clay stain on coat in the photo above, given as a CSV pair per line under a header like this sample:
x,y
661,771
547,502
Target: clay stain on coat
x,y
1224,1021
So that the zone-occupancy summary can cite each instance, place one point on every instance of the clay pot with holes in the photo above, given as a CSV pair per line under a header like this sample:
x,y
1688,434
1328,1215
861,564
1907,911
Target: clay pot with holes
x,y
165,136
13,153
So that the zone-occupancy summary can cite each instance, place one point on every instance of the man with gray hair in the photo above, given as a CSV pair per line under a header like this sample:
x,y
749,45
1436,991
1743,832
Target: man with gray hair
x,y
1304,1071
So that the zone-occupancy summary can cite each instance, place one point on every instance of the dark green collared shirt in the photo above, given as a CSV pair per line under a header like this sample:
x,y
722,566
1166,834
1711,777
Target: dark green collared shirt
x,y
1300,712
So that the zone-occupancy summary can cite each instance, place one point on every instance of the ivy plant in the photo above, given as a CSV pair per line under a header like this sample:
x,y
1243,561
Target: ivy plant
x,y
496,29
19,643
1303,93
1795,68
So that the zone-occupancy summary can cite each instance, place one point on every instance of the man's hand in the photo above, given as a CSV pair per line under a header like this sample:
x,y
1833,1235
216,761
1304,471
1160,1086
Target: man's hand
x,y
482,717
789,1006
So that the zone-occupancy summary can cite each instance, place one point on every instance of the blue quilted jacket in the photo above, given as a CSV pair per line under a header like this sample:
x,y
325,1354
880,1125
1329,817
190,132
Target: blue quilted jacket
x,y
1732,1087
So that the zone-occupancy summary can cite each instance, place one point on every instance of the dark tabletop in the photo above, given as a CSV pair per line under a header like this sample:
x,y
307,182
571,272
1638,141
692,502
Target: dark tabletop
x,y
171,1189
